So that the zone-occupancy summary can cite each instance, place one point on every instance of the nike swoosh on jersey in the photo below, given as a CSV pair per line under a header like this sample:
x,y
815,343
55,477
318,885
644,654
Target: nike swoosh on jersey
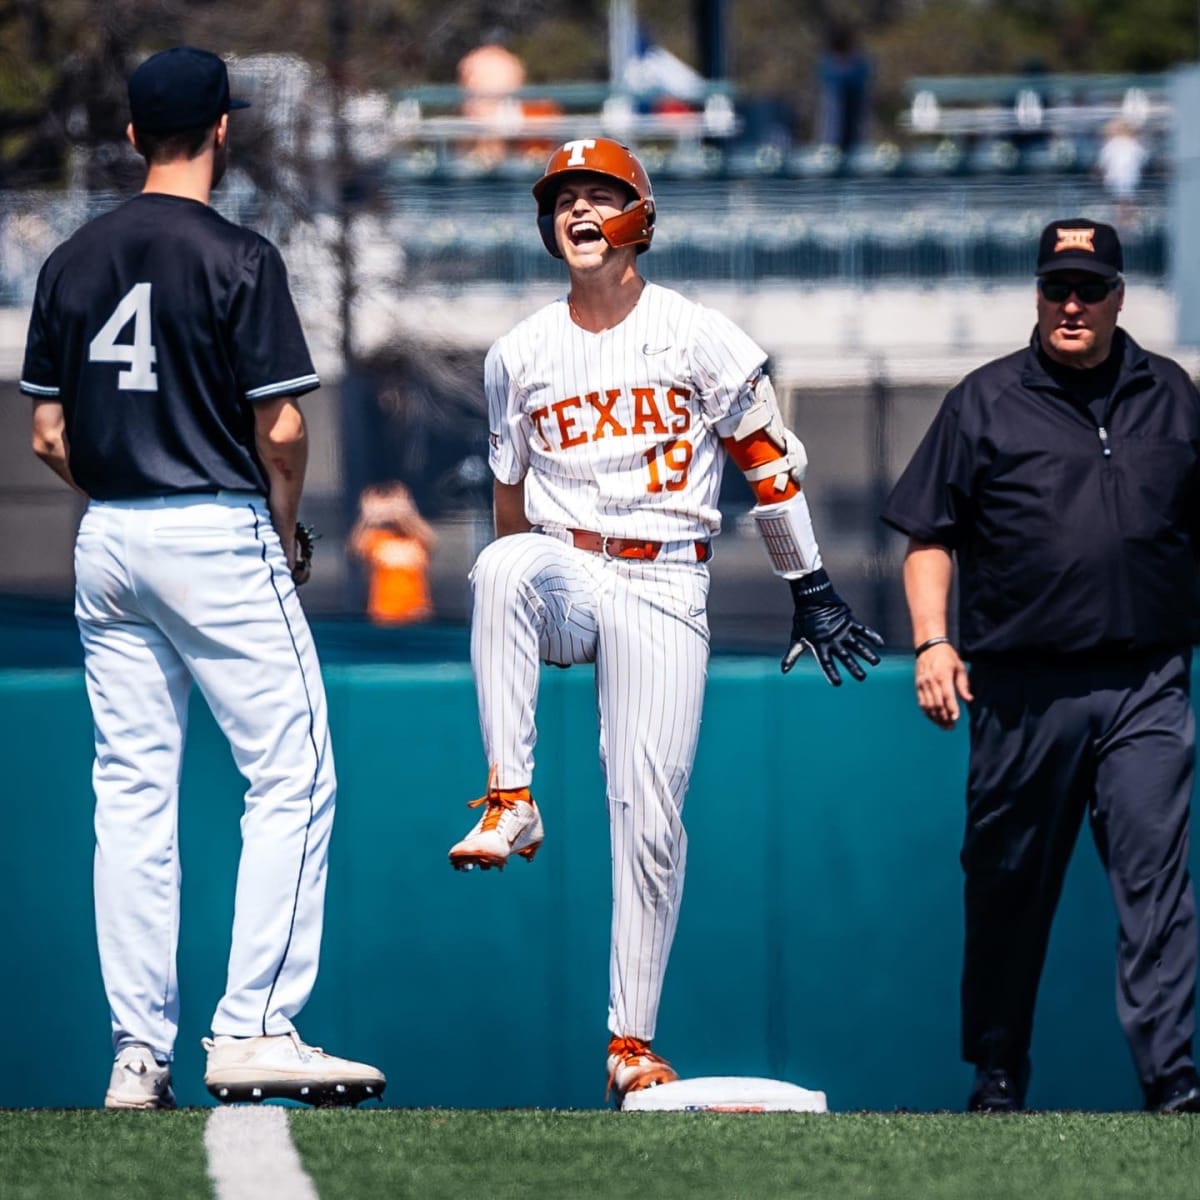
x,y
648,349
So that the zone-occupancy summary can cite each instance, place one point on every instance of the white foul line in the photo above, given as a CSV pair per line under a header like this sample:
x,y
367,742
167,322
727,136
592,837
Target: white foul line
x,y
251,1155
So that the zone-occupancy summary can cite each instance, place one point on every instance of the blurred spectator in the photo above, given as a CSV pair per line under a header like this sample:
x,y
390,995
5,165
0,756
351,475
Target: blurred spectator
x,y
490,75
1122,160
1029,105
394,543
844,72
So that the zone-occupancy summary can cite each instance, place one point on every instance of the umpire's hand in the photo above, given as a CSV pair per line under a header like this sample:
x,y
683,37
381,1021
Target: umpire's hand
x,y
823,622
942,680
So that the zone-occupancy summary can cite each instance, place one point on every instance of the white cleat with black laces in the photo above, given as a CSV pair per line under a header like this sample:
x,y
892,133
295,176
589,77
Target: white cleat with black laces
x,y
283,1067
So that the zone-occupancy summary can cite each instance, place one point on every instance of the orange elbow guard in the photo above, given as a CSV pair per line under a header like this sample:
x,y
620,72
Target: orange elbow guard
x,y
767,470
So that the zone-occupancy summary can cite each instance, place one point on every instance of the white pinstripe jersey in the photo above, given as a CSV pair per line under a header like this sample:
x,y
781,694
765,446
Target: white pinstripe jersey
x,y
619,431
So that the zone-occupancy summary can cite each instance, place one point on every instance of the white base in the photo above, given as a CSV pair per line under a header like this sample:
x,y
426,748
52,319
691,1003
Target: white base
x,y
726,1093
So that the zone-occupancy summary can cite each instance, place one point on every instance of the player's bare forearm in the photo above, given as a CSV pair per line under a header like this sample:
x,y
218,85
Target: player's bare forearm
x,y
928,572
286,482
509,509
282,443
940,675
50,440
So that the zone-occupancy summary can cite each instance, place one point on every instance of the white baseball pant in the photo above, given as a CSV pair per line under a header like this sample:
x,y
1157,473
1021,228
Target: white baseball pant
x,y
644,625
197,587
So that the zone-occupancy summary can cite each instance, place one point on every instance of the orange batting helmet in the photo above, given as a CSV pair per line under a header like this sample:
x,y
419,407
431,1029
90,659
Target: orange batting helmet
x,y
599,156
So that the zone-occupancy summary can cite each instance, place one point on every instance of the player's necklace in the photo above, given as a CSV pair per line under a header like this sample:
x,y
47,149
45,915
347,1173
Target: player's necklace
x,y
578,319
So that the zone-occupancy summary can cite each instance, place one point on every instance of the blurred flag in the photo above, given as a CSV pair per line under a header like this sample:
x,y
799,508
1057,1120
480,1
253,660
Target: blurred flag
x,y
655,69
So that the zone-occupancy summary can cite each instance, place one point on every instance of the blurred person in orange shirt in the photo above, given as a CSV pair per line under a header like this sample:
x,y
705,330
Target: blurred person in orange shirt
x,y
394,543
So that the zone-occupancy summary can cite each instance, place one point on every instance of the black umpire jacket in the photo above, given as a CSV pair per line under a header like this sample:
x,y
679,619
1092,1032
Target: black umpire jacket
x,y
1071,537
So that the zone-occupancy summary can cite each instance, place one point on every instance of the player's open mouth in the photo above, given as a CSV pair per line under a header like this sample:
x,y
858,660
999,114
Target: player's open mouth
x,y
585,231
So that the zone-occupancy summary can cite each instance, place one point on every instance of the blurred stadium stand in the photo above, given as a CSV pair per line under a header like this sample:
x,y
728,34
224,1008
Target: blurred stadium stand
x,y
849,230
843,230
983,125
874,280
1033,123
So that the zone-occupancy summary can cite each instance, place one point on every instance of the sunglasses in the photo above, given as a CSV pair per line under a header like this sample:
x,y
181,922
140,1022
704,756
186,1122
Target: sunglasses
x,y
1091,291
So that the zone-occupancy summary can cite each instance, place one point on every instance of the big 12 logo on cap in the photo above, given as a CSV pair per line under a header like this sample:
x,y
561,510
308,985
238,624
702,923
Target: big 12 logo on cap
x,y
1075,239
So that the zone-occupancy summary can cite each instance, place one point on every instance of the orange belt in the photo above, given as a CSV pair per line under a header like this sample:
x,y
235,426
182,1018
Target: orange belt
x,y
615,547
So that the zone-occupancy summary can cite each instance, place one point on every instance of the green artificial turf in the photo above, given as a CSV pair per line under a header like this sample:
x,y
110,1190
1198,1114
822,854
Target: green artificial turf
x,y
393,1153
693,1156
88,1154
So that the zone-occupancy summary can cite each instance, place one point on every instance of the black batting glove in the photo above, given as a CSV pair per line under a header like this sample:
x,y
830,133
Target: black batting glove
x,y
824,623
306,539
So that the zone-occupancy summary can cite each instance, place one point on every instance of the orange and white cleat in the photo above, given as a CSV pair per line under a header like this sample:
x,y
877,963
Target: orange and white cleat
x,y
511,824
633,1066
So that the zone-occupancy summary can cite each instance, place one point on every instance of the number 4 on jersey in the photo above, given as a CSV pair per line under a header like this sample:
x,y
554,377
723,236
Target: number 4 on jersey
x,y
140,355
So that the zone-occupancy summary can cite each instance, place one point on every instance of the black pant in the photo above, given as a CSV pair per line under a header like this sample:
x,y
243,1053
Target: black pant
x,y
1048,744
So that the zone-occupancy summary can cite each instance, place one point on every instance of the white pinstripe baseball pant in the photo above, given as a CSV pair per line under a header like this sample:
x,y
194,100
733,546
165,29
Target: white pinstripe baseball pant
x,y
644,625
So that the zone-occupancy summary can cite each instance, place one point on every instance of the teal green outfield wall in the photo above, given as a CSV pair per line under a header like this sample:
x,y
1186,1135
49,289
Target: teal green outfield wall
x,y
819,939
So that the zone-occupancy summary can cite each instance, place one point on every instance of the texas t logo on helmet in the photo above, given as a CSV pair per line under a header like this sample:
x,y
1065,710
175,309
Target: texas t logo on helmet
x,y
604,157
577,158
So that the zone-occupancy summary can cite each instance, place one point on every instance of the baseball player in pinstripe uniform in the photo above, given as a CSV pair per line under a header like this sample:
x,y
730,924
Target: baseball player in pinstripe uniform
x,y
164,359
611,413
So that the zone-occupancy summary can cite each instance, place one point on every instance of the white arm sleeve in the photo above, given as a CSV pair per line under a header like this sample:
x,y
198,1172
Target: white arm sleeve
x,y
508,427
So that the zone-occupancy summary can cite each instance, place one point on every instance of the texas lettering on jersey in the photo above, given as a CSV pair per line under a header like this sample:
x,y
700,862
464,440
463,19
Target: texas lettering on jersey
x,y
616,412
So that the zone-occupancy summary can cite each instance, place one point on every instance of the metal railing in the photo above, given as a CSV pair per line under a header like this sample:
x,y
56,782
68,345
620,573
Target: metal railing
x,y
1059,105
435,125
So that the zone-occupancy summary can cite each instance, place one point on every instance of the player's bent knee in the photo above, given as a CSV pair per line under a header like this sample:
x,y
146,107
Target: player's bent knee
x,y
508,559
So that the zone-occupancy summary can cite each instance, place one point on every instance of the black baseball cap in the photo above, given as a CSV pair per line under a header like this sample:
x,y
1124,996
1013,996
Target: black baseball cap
x,y
1078,244
180,88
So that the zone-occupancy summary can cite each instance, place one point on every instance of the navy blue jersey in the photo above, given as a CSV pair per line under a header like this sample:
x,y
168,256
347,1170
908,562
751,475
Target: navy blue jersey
x,y
157,326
